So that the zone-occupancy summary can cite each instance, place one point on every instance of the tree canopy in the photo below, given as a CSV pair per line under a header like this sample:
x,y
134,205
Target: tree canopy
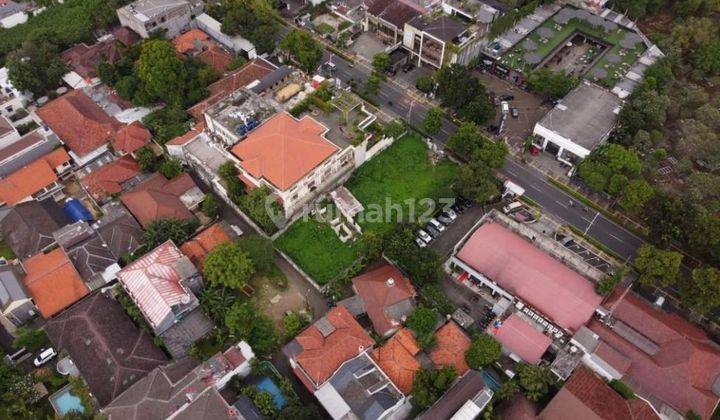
x,y
657,267
303,49
423,321
483,351
429,385
228,265
701,292
551,84
433,120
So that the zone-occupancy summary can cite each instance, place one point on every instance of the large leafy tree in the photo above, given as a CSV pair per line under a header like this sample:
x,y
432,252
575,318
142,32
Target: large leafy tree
x,y
162,230
458,89
635,195
433,120
534,381
303,49
483,351
36,67
551,84
701,292
430,384
381,62
423,265
423,322
229,266
471,144
253,19
160,70
657,267
476,182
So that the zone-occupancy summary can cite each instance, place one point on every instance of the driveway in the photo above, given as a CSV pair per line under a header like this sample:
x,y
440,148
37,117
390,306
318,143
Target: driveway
x,y
459,228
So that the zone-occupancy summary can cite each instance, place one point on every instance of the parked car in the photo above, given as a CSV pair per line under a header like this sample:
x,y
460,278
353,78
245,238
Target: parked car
x,y
505,106
424,236
407,67
507,97
463,202
444,219
450,214
514,112
420,243
436,224
44,356
432,231
512,207
457,208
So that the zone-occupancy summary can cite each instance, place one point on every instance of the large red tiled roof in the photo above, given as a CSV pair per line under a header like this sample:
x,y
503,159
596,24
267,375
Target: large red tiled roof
x,y
159,198
197,42
322,355
379,289
131,137
83,59
397,359
683,370
53,282
108,179
522,338
79,122
199,246
586,396
32,178
532,275
451,343
283,149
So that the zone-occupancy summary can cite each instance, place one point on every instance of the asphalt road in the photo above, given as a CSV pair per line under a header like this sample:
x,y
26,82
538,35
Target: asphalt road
x,y
395,101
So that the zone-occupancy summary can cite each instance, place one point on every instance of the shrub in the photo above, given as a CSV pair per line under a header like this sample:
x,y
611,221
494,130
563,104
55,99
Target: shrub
x,y
621,388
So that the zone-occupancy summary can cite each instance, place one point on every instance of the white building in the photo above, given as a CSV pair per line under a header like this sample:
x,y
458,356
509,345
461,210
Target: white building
x,y
147,16
236,44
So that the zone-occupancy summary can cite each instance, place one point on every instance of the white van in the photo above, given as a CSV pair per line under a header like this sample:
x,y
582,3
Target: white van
x,y
505,106
512,207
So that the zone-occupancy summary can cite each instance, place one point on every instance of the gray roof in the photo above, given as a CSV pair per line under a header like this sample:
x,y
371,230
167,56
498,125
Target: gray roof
x,y
586,116
91,257
272,78
444,27
28,227
354,304
464,389
26,150
11,286
119,229
180,336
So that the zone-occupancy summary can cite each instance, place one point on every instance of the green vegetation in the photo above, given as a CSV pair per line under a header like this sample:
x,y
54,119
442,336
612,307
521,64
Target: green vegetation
x,y
483,351
459,90
657,267
254,20
162,230
303,49
210,206
552,85
429,385
422,321
5,251
171,168
31,339
228,266
17,393
621,388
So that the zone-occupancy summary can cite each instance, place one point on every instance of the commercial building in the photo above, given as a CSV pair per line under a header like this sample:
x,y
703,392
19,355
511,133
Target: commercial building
x,y
168,16
442,40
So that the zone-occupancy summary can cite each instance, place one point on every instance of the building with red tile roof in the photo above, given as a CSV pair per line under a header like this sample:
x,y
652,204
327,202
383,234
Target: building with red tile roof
x,y
160,198
388,297
53,282
451,343
81,124
522,339
586,396
319,351
84,59
397,358
513,267
130,138
196,43
517,407
201,244
36,180
662,357
111,178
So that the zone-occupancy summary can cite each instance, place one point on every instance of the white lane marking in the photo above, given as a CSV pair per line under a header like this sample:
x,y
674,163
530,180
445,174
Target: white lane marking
x,y
616,238
591,223
535,188
561,204
513,173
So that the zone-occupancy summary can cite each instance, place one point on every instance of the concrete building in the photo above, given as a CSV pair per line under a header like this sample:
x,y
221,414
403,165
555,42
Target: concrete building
x,y
11,99
236,44
148,16
387,18
442,40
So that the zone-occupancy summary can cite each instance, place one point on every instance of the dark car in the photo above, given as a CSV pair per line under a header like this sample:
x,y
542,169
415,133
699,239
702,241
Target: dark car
x,y
407,67
514,112
507,97
463,202
431,230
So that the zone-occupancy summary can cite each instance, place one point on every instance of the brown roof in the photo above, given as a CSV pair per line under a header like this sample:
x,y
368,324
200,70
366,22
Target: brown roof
x,y
451,343
83,59
53,282
195,42
517,407
159,198
201,244
125,35
109,178
324,346
31,179
131,137
397,359
380,289
284,149
5,126
183,139
396,12
586,396
79,122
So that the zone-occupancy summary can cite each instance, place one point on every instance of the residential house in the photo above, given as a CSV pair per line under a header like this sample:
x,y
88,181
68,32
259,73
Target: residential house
x,y
164,285
235,43
399,359
466,399
198,44
482,12
160,198
36,181
53,282
387,18
11,99
387,296
27,149
451,343
520,339
109,350
293,158
516,407
112,179
442,40
82,60
27,228
8,133
89,253
587,396
184,390
16,305
130,138
197,247
175,147
169,17
119,229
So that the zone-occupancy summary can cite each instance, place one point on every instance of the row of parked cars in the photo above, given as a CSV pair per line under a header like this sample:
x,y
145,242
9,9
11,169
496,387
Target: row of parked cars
x,y
444,218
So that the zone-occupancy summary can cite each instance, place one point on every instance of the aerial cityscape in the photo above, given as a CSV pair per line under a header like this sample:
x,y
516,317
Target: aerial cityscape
x,y
360,209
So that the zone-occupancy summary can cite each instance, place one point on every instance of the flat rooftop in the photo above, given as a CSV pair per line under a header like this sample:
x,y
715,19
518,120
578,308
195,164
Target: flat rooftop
x,y
240,104
147,9
585,116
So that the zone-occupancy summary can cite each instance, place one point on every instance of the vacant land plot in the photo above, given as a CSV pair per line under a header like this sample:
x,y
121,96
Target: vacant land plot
x,y
400,184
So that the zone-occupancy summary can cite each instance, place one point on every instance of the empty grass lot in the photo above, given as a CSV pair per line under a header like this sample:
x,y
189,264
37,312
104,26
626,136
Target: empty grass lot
x,y
400,175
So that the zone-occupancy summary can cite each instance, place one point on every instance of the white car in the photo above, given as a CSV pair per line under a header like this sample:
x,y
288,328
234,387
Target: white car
x,y
436,224
45,356
420,243
424,236
450,214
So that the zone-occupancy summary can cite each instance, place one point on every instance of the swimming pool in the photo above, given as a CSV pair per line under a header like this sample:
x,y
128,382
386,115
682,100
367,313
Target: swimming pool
x,y
490,379
64,402
267,384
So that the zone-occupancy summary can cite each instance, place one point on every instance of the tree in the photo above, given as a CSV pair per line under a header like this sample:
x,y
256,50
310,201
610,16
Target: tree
x,y
171,168
480,111
293,323
253,19
31,339
303,49
228,172
160,70
483,351
430,384
423,265
534,381
657,267
551,84
227,265
265,402
425,83
264,337
476,182
210,206
239,319
372,84
456,86
162,230
470,143
701,292
423,322
704,238
433,120
167,123
636,194
145,159
381,62
36,67
707,57
261,252
607,285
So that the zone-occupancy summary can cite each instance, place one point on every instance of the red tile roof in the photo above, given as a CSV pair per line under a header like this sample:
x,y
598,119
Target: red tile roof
x,y
53,282
79,122
57,157
397,359
131,137
283,149
191,40
379,289
532,275
586,396
683,370
522,338
159,198
83,59
196,42
32,178
322,355
199,246
184,139
451,343
108,179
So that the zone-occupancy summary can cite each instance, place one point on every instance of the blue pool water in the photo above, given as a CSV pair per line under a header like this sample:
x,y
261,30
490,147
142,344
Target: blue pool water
x,y
267,384
490,380
66,402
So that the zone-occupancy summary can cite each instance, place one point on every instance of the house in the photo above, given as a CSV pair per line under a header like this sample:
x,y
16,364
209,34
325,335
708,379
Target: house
x,y
27,149
587,396
11,99
160,198
36,181
164,285
169,17
520,339
398,358
440,40
8,133
53,282
119,229
451,343
130,138
387,295
109,350
466,399
293,158
482,12
27,228
184,390
235,43
233,117
82,60
198,44
579,123
510,265
197,247
81,124
663,358
112,179
387,18
89,253
16,305
175,147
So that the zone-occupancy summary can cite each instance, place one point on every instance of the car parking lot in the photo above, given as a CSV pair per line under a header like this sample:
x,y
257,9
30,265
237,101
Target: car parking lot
x,y
587,254
441,222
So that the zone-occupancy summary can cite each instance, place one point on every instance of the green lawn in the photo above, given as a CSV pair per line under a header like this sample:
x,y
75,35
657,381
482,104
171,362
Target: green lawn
x,y
317,249
5,251
401,175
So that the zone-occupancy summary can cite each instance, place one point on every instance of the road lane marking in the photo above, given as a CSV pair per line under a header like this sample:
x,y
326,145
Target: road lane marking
x,y
561,204
536,188
591,223
616,238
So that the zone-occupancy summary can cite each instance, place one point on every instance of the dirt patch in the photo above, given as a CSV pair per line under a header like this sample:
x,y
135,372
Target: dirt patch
x,y
274,301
